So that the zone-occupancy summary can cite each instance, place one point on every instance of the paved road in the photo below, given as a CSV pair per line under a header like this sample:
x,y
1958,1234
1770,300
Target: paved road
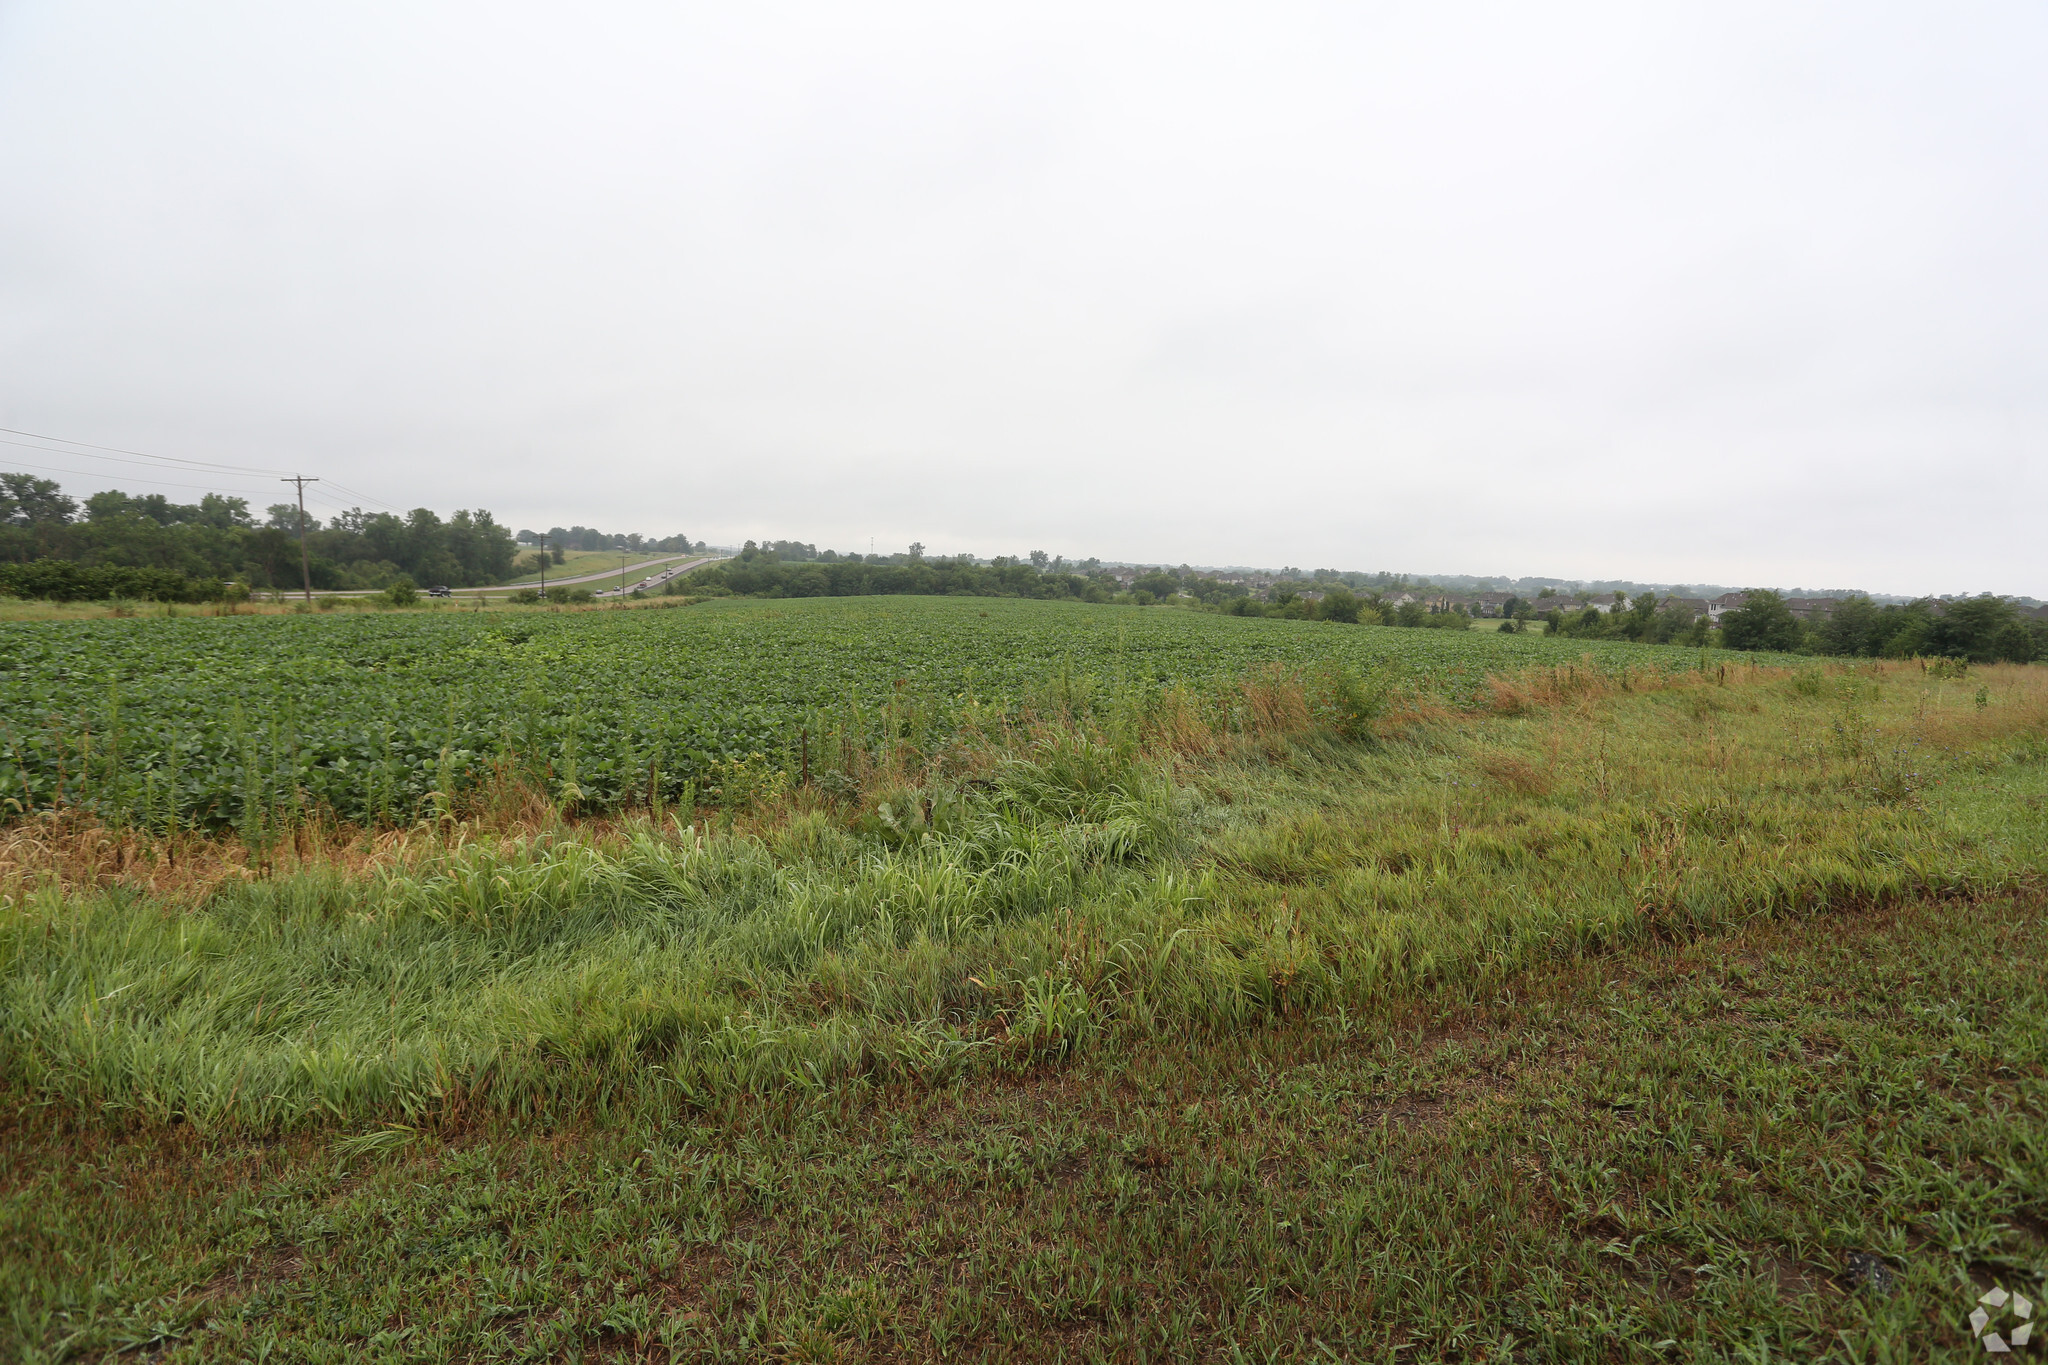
x,y
690,561
653,581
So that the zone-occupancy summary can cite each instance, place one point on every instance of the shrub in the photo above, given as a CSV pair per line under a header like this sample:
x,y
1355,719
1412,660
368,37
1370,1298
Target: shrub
x,y
63,580
1354,701
402,593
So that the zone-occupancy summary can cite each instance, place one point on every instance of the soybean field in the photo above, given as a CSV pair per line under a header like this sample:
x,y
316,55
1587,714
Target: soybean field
x,y
215,722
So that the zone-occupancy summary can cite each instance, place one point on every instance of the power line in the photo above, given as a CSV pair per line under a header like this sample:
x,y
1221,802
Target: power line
x,y
344,488
116,459
328,503
160,483
140,454
120,455
141,457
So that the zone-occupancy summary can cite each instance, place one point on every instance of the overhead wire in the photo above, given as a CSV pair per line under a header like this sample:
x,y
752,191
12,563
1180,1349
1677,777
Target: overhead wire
x,y
139,454
83,455
344,488
177,464
159,483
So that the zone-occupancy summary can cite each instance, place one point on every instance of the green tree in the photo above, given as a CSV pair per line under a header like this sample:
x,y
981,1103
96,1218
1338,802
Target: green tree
x,y
1340,604
1159,583
2015,644
1640,621
1763,621
26,500
1971,627
222,512
284,516
1852,628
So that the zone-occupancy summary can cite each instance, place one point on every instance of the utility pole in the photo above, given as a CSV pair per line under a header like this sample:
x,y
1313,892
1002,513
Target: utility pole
x,y
305,567
622,574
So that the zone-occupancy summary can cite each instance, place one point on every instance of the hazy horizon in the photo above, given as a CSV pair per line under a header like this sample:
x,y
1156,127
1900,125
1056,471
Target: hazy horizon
x,y
1711,294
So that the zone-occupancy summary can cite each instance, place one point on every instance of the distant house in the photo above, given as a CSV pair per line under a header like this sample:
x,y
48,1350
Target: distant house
x,y
1725,603
1803,608
1491,603
1811,608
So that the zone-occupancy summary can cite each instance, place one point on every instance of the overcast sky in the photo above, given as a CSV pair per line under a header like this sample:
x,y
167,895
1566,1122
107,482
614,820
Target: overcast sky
x,y
1732,293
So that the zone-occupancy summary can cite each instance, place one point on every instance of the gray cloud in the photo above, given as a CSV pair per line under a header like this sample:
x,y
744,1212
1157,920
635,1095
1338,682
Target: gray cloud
x,y
1741,293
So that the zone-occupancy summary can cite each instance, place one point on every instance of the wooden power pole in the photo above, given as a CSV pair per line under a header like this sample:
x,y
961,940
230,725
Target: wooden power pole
x,y
305,567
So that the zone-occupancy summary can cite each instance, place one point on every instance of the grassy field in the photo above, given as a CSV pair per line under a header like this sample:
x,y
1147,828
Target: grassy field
x,y
1515,1007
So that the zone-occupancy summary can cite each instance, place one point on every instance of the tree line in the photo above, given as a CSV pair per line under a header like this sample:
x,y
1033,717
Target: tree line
x,y
795,569
147,545
1983,629
764,572
558,539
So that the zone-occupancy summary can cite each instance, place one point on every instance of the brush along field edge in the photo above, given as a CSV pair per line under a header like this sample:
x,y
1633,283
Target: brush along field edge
x,y
1044,888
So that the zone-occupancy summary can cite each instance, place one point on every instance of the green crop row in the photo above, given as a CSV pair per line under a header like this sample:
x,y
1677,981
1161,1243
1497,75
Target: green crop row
x,y
248,722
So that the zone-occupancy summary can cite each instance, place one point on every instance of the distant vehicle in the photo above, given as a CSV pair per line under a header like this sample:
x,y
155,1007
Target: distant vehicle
x,y
441,591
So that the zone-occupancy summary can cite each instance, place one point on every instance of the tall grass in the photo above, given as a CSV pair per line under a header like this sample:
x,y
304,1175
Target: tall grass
x,y
508,971
1096,874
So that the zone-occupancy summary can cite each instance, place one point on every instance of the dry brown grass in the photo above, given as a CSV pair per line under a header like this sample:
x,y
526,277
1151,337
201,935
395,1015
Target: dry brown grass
x,y
75,850
2014,698
1276,704
1516,773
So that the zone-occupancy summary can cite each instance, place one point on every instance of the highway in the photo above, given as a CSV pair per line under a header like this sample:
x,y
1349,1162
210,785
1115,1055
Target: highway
x,y
688,562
